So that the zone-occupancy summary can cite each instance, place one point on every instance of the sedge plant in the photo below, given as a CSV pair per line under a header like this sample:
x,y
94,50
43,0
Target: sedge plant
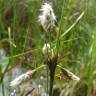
x,y
48,23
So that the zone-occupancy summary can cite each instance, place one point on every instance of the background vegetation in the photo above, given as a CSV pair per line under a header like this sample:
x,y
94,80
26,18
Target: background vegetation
x,y
23,44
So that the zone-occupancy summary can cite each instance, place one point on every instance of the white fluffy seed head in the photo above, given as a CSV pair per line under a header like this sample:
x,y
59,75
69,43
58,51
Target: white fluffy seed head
x,y
46,49
47,17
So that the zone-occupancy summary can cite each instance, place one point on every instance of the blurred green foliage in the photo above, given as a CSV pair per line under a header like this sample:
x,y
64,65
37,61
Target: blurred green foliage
x,y
22,17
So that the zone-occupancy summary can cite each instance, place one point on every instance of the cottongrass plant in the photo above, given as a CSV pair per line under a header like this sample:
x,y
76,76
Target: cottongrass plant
x,y
47,21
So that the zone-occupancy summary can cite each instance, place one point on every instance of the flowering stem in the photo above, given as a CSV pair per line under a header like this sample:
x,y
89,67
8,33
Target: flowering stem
x,y
52,63
52,73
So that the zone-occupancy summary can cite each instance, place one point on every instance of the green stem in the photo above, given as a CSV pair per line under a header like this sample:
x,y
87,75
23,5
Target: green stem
x,y
91,67
47,78
3,92
60,27
73,25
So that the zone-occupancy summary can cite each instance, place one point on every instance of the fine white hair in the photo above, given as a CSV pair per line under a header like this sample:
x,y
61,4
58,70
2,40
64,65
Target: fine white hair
x,y
47,17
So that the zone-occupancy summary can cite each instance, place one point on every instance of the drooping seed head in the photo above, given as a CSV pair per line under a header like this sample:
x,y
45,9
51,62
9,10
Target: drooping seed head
x,y
22,78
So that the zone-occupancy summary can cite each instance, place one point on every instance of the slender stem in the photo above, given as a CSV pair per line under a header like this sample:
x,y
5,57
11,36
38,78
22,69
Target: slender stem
x,y
11,53
46,66
91,67
23,53
73,25
40,67
47,78
60,27
1,22
3,91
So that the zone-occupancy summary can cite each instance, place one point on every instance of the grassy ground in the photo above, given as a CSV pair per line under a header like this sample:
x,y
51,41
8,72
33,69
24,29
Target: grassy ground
x,y
21,38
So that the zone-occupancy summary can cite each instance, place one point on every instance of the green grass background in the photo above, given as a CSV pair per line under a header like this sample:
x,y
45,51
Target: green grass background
x,y
22,17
